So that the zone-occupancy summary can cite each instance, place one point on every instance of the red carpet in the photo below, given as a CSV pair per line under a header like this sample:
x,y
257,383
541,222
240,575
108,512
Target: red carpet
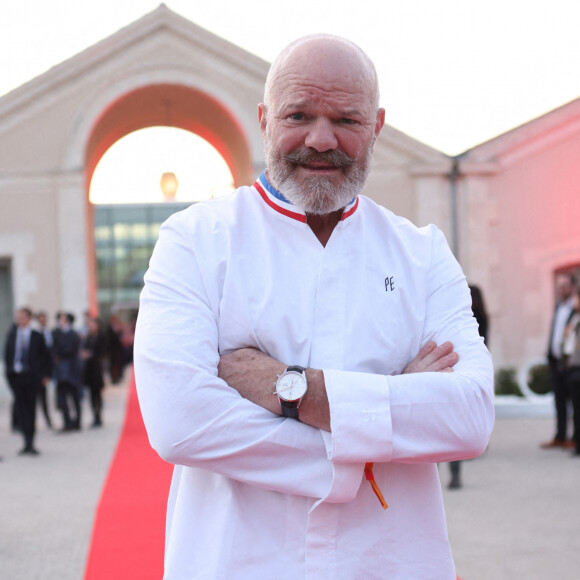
x,y
129,530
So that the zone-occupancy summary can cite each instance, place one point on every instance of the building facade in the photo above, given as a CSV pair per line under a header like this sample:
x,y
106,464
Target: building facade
x,y
507,207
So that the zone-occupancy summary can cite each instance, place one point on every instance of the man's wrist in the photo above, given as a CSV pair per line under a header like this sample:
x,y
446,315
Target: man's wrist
x,y
315,410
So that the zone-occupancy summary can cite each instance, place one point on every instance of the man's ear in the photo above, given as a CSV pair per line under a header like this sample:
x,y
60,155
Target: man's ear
x,y
262,117
379,122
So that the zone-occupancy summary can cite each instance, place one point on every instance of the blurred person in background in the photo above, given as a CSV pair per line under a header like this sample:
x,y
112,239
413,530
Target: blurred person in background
x,y
565,288
92,352
571,364
27,366
480,313
115,352
67,371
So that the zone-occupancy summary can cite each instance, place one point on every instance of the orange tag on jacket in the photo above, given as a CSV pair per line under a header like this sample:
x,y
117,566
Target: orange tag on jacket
x,y
371,479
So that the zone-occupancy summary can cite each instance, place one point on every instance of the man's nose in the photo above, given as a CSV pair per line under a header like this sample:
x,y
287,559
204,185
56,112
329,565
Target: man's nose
x,y
321,136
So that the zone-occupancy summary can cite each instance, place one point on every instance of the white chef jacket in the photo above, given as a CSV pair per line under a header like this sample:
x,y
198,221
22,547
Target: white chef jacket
x,y
258,496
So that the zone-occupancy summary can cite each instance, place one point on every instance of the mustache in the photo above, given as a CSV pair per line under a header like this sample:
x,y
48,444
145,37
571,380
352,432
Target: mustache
x,y
335,158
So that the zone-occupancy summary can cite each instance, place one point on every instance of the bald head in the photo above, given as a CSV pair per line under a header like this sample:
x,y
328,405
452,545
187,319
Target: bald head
x,y
324,50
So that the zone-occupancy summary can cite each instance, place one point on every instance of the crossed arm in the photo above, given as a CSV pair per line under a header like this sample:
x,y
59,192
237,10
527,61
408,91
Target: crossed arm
x,y
253,374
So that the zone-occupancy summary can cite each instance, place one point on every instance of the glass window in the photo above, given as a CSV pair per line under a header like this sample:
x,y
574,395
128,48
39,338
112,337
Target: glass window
x,y
124,241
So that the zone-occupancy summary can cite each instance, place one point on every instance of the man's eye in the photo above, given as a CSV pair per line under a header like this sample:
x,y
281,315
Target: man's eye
x,y
296,116
347,121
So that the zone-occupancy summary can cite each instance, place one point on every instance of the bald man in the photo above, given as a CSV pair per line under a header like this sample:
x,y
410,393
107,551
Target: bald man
x,y
305,358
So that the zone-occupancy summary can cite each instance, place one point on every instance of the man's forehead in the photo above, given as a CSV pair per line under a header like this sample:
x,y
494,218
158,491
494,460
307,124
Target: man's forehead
x,y
308,86
327,63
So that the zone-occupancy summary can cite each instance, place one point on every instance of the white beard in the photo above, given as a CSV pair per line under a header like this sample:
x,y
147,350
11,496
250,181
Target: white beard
x,y
317,194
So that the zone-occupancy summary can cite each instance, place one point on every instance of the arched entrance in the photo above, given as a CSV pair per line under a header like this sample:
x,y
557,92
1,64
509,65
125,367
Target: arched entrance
x,y
170,105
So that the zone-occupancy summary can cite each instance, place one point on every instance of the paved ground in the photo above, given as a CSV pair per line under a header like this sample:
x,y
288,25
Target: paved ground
x,y
47,503
517,516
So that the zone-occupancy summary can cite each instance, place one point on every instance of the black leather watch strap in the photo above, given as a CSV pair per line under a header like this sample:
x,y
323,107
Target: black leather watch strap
x,y
296,369
289,408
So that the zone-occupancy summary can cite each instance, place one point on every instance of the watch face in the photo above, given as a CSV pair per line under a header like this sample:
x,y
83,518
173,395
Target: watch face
x,y
291,386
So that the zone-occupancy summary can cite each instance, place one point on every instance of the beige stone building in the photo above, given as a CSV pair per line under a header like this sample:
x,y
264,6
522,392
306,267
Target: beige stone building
x,y
520,224
507,207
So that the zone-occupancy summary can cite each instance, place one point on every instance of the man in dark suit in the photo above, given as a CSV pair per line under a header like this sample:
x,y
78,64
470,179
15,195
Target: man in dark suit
x,y
67,367
27,363
565,287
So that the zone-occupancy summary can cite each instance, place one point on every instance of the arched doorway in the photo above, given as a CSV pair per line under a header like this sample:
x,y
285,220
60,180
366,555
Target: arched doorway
x,y
169,105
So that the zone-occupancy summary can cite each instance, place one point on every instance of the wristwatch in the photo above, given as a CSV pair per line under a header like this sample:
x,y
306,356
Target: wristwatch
x,y
291,387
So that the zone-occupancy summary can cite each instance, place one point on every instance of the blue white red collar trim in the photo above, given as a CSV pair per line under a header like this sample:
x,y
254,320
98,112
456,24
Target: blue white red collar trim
x,y
278,202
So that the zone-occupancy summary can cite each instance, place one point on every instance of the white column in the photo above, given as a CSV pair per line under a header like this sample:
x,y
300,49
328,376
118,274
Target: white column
x,y
72,242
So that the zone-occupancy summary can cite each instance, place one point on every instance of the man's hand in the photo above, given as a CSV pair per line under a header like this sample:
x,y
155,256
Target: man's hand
x,y
433,358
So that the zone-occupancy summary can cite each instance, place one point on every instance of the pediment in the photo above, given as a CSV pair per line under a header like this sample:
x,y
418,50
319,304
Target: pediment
x,y
160,23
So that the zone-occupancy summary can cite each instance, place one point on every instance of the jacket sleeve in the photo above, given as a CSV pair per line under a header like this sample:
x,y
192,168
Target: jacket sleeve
x,y
9,351
193,418
422,417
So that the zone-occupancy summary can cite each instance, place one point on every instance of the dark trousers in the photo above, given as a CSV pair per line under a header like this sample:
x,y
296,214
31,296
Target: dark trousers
x,y
25,387
561,397
96,404
455,468
67,393
573,377
43,401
